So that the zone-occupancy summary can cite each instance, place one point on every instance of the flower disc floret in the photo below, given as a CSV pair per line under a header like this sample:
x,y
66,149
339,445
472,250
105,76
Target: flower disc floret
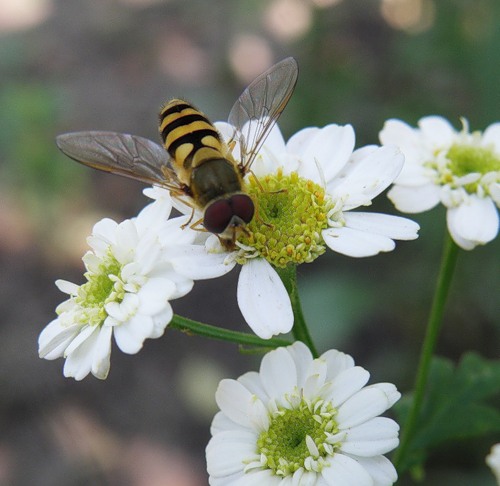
x,y
291,213
466,159
298,438
102,287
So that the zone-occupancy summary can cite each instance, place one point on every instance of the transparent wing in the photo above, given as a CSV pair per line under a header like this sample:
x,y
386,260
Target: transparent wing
x,y
118,153
260,105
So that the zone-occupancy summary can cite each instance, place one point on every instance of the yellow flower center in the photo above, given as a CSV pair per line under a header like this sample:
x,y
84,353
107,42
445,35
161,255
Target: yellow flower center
x,y
290,214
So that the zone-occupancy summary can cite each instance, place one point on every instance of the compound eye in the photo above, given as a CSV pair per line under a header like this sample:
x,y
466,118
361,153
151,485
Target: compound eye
x,y
217,216
242,207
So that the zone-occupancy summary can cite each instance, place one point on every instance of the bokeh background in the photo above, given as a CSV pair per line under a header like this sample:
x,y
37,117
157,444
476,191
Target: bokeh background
x,y
108,65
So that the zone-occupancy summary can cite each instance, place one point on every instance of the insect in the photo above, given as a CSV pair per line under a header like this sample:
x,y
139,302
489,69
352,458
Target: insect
x,y
195,164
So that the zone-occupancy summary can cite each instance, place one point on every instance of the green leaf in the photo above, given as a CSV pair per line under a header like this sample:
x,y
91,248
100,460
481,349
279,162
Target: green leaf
x,y
458,405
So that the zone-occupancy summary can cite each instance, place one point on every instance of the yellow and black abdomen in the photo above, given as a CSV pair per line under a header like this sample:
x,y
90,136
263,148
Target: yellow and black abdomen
x,y
200,158
188,136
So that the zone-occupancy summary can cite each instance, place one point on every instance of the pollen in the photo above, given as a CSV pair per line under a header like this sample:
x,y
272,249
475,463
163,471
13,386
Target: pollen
x,y
299,437
290,214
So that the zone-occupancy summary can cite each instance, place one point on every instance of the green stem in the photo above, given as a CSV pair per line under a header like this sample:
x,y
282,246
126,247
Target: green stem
x,y
194,327
449,258
300,330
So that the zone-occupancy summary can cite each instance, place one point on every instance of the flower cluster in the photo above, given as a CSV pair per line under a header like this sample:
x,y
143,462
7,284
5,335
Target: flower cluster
x,y
459,169
299,420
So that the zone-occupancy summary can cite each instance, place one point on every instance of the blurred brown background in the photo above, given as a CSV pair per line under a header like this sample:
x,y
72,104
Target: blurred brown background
x,y
108,65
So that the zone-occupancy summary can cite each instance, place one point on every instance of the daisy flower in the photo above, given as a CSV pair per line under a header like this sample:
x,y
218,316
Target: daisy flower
x,y
459,169
129,283
305,192
493,461
303,421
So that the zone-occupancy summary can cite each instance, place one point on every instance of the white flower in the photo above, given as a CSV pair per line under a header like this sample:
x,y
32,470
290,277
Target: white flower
x,y
303,421
130,281
493,460
305,192
459,169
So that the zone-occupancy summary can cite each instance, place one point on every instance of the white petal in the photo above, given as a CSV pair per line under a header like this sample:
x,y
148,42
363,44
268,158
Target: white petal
x,y
345,471
84,333
102,353
154,295
240,405
230,480
380,469
346,383
252,381
55,338
364,405
93,261
356,243
326,153
130,335
278,374
80,361
437,131
182,284
263,299
221,422
126,241
302,358
491,137
263,477
362,179
275,141
153,215
226,452
67,287
124,310
414,175
103,235
337,362
300,141
305,478
390,391
396,132
475,221
196,263
414,199
176,231
148,254
394,227
315,379
376,436
494,189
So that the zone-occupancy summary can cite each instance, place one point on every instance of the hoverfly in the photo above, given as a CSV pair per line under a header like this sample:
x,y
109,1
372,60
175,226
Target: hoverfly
x,y
195,164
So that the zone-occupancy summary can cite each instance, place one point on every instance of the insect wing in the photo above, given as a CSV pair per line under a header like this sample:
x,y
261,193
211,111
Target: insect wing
x,y
258,108
118,153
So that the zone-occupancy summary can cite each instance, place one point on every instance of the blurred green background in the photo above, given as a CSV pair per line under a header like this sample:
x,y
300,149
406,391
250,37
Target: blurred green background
x,y
108,65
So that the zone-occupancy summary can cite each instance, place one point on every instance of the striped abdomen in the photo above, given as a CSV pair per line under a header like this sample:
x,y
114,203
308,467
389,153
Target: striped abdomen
x,y
199,157
188,136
